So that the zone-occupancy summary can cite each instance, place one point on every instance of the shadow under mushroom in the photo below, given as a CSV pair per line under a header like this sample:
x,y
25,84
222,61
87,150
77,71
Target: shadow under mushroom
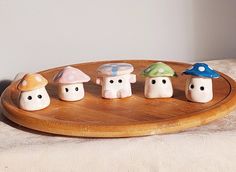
x,y
3,85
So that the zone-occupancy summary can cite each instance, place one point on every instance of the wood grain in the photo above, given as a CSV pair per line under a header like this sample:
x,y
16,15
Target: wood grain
x,y
135,116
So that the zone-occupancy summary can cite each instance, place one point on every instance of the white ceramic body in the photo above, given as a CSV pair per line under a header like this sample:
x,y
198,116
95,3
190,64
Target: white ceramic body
x,y
116,89
71,92
158,87
34,103
196,94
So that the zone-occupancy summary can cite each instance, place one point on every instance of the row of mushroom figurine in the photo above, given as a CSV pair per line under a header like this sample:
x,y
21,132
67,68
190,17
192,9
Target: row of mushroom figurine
x,y
116,79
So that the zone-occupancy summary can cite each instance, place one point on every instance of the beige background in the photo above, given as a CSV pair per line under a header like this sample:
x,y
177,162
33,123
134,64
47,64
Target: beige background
x,y
37,35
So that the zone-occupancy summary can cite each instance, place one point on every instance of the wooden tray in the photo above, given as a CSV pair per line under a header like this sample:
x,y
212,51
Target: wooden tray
x,y
135,116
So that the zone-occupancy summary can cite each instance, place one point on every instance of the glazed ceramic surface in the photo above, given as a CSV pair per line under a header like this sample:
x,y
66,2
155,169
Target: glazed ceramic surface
x,y
116,86
199,89
115,79
158,69
34,100
199,86
114,69
71,75
32,82
158,87
158,83
71,92
70,83
33,95
201,70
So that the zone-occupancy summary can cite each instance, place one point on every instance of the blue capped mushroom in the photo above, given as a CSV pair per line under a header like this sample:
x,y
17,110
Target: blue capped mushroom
x,y
199,85
201,70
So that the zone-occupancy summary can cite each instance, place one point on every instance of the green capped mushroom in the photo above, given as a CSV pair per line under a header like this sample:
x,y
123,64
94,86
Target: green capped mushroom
x,y
159,69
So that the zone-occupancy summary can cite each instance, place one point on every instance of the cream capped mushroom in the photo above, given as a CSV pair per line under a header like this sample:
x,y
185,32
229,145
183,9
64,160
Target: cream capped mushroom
x,y
70,83
199,86
158,83
115,79
33,94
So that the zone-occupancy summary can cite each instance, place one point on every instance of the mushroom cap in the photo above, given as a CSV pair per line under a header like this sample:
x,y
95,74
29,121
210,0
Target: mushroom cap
x,y
115,69
201,70
71,75
32,82
159,69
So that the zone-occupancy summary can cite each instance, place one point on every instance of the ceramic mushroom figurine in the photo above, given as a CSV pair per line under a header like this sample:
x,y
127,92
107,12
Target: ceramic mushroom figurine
x,y
199,85
115,79
33,95
158,82
70,83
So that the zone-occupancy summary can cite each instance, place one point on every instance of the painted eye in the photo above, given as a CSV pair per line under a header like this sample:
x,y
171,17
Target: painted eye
x,y
40,96
29,97
111,81
153,81
192,86
120,80
163,81
67,90
76,89
202,88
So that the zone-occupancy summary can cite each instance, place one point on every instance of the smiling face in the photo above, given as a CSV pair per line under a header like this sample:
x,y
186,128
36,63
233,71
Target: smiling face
x,y
158,87
34,100
71,92
199,89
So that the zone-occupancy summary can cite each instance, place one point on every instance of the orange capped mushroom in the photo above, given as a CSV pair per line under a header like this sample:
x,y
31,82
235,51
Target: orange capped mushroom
x,y
34,95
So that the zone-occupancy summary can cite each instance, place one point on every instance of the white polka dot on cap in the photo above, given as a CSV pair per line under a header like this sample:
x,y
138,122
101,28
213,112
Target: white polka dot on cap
x,y
201,69
161,70
38,78
24,83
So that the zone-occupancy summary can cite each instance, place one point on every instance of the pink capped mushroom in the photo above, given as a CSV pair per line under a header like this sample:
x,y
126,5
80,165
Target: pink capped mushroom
x,y
70,83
